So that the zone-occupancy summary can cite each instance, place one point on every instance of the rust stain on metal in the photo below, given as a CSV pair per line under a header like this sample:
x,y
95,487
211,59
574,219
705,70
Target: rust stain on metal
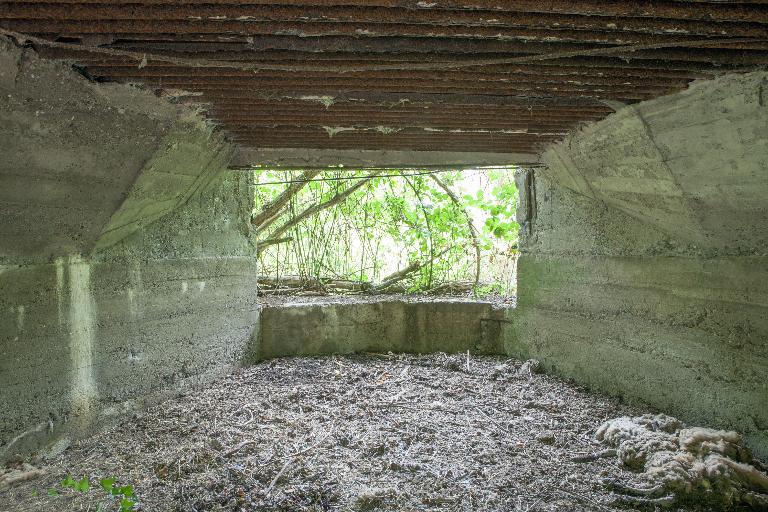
x,y
474,75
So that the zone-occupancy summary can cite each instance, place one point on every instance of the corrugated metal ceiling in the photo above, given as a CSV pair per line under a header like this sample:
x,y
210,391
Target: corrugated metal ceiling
x,y
459,75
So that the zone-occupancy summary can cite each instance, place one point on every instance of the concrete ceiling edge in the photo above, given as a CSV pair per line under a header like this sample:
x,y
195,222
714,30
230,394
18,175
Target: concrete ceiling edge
x,y
307,157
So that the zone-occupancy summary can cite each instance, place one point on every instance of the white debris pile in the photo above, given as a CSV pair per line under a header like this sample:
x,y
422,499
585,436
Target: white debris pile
x,y
684,465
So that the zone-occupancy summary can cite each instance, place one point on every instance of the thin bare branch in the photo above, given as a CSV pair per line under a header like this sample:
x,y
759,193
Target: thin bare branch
x,y
472,230
314,210
398,276
275,208
274,241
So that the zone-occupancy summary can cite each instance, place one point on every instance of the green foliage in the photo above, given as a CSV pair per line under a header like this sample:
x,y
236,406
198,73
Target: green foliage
x,y
82,485
488,289
388,224
500,208
122,496
107,484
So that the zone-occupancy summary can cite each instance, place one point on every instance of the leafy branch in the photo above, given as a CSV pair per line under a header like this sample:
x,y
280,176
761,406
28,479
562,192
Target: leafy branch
x,y
415,228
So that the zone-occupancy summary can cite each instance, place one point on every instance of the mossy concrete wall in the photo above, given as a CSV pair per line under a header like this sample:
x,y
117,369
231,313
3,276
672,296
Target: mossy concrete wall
x,y
126,266
380,326
644,265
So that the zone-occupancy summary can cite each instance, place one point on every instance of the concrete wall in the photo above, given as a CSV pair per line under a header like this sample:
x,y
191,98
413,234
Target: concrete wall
x,y
126,267
644,266
398,326
84,164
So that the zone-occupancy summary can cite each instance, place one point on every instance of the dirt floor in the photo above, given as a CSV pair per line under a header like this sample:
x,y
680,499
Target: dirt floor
x,y
359,433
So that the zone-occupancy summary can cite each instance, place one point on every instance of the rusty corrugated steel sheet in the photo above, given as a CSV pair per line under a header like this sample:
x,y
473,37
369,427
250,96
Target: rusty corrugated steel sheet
x,y
474,75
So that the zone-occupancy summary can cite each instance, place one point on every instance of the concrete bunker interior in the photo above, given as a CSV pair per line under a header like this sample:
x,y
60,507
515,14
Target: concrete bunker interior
x,y
130,315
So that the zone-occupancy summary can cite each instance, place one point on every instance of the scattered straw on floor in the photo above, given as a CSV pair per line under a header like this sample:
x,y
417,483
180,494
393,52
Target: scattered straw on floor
x,y
388,432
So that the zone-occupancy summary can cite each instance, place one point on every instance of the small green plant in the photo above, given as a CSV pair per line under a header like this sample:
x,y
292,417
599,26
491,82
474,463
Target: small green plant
x,y
124,495
490,289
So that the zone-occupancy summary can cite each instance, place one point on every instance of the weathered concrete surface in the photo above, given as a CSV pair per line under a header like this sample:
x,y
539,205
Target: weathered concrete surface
x,y
398,326
126,267
84,339
87,164
188,158
691,164
304,157
644,266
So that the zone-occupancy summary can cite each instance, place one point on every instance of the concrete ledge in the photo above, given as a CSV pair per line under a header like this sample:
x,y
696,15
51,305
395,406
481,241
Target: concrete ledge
x,y
303,157
399,326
